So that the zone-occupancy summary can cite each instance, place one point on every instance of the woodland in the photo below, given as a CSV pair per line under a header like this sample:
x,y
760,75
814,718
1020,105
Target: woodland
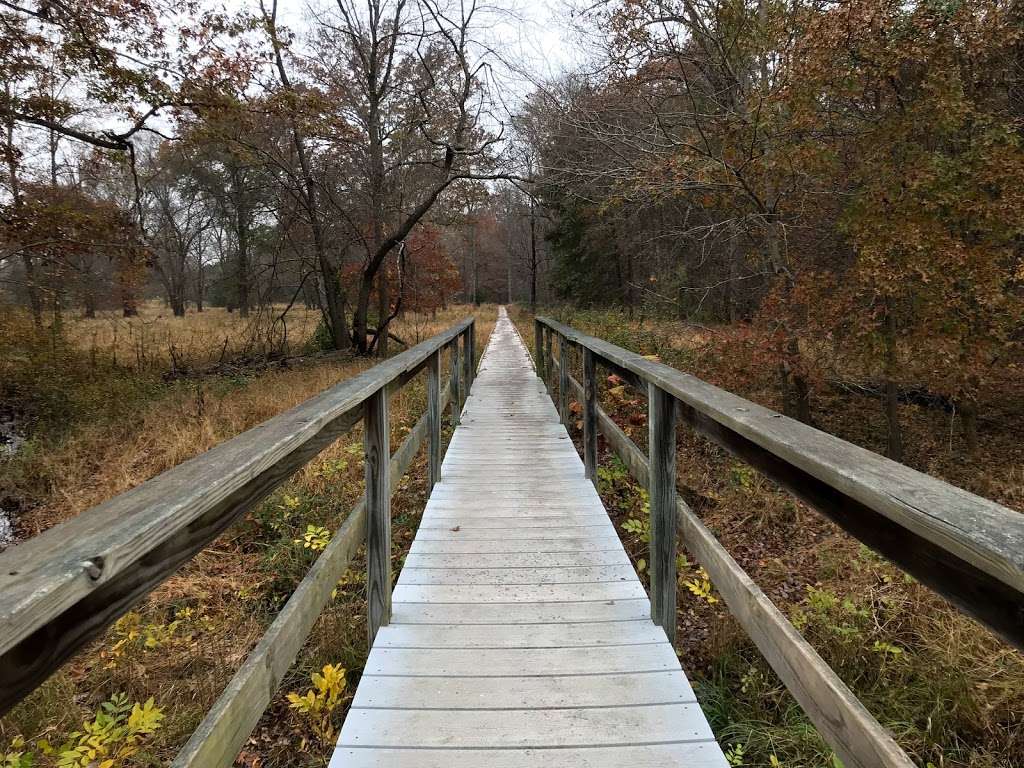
x,y
209,213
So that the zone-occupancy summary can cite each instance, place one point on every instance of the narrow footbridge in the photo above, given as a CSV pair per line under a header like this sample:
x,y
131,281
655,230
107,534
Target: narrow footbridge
x,y
518,634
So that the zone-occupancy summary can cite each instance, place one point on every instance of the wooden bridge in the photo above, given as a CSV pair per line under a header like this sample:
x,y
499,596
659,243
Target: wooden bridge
x,y
518,634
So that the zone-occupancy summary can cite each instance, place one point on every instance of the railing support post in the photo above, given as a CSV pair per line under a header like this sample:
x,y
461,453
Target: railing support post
x,y
433,420
662,489
377,447
467,361
538,348
453,383
590,415
563,380
548,360
472,355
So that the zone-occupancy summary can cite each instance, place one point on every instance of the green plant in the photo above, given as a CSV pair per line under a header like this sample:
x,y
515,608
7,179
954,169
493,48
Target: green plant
x,y
114,734
16,756
639,527
315,538
734,754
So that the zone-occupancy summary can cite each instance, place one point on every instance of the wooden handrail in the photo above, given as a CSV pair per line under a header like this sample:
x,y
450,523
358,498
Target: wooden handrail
x,y
226,728
967,548
65,586
853,732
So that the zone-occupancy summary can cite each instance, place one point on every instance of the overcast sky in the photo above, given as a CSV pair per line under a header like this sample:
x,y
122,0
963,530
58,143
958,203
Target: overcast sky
x,y
532,34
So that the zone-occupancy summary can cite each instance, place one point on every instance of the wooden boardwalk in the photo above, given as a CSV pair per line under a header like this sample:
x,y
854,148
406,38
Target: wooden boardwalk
x,y
520,635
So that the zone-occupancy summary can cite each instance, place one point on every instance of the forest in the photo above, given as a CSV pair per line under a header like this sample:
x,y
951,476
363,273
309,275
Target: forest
x,y
211,212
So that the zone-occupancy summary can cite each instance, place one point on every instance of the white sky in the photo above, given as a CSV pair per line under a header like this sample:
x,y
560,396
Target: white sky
x,y
533,35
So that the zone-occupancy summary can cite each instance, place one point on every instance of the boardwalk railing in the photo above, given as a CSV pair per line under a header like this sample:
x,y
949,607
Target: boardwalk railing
x,y
968,549
64,587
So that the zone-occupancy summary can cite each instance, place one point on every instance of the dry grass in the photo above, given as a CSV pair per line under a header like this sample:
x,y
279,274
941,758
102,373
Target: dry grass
x,y
156,339
225,597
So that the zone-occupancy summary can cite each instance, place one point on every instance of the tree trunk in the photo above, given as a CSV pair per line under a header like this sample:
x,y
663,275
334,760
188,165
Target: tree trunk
x,y
242,259
383,310
533,259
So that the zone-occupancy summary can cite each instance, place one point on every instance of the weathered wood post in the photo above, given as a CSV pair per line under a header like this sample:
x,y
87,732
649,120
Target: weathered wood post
x,y
662,489
472,355
538,348
590,415
453,383
548,361
433,420
563,380
378,512
467,361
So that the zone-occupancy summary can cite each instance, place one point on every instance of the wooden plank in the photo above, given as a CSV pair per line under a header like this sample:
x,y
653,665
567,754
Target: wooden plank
x,y
967,548
376,437
538,347
516,545
434,409
504,662
520,613
561,635
454,384
548,358
510,560
518,593
448,519
677,755
661,485
546,575
477,729
458,533
590,416
61,588
637,689
563,380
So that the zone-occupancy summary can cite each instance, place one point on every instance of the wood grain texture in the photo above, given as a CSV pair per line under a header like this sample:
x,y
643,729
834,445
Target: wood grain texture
x,y
661,487
377,460
63,587
454,382
538,349
563,380
434,409
519,626
590,416
965,547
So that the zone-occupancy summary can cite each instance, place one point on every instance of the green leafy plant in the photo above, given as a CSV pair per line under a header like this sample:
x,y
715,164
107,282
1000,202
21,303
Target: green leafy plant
x,y
639,527
315,538
734,754
114,734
